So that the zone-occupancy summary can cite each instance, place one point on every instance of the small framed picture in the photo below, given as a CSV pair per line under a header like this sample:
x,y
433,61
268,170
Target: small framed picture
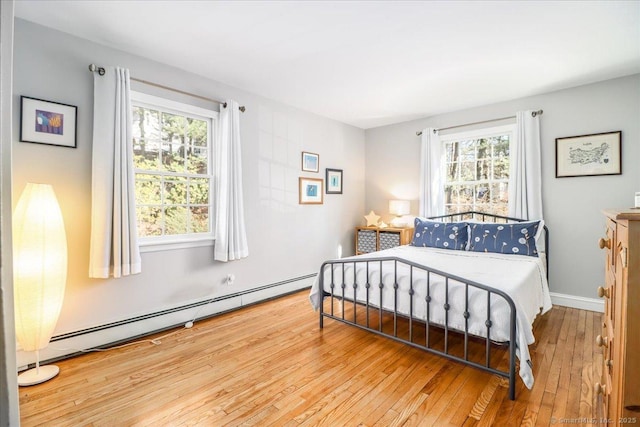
x,y
48,122
589,155
310,162
310,190
333,177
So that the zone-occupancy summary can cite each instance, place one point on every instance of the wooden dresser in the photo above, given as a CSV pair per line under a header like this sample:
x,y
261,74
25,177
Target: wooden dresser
x,y
618,390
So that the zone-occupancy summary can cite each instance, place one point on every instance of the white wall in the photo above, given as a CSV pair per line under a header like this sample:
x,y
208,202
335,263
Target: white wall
x,y
572,206
286,240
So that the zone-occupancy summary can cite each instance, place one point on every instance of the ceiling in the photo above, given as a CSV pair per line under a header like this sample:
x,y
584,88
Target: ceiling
x,y
368,63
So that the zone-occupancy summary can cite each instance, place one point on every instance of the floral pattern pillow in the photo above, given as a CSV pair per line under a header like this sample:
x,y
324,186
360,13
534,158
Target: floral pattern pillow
x,y
436,234
516,238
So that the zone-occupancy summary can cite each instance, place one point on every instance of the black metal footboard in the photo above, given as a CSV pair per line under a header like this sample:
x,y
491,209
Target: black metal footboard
x,y
369,310
386,291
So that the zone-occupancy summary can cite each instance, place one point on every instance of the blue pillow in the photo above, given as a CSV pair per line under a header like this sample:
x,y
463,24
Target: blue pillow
x,y
436,234
517,238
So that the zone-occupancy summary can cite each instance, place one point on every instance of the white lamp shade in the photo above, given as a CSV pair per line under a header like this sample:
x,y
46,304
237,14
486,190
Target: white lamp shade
x,y
40,265
399,207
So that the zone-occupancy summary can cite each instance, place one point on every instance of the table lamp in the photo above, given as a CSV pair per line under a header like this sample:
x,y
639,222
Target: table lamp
x,y
399,208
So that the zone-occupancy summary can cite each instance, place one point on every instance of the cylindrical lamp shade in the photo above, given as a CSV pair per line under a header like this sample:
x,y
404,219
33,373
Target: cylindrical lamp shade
x,y
40,265
399,207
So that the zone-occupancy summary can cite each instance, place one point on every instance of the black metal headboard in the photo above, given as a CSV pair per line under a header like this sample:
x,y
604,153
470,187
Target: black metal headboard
x,y
488,217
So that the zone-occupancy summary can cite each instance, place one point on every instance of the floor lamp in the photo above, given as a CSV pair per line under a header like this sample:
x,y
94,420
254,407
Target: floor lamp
x,y
39,274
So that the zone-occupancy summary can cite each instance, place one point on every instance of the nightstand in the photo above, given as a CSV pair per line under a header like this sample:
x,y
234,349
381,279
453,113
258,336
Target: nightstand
x,y
371,239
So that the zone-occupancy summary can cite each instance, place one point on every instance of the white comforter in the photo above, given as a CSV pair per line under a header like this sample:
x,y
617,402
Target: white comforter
x,y
521,277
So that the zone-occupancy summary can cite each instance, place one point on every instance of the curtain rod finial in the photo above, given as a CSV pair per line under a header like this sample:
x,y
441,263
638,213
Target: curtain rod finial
x,y
93,68
241,108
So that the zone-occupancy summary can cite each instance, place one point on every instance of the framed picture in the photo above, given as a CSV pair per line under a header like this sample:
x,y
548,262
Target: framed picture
x,y
334,181
310,191
589,155
310,162
47,122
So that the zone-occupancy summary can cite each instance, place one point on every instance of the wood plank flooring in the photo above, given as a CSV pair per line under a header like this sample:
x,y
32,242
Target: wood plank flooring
x,y
269,364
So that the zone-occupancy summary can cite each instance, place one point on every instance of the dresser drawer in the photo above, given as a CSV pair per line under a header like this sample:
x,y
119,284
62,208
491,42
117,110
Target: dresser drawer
x,y
604,387
608,294
608,289
608,243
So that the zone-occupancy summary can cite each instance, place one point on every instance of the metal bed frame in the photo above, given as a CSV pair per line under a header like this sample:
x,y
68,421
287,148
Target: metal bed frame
x,y
343,297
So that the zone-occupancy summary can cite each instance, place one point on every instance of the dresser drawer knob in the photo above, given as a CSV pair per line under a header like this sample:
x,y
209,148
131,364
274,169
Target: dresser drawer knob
x,y
600,341
603,292
604,243
608,363
599,388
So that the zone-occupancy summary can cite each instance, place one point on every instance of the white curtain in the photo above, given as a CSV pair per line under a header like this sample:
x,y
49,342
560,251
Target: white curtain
x,y
114,243
525,185
431,178
230,234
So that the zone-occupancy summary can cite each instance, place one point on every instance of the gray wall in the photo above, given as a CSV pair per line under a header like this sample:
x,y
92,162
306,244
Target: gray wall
x,y
286,240
572,206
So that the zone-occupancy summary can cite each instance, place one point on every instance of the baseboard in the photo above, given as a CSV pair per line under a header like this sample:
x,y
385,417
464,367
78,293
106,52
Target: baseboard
x,y
103,336
591,304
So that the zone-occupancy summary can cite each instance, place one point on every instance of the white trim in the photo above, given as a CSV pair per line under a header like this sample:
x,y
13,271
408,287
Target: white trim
x,y
480,133
64,347
582,303
158,245
177,107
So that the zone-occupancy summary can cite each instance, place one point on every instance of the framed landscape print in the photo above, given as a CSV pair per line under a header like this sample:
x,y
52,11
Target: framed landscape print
x,y
334,181
310,191
48,122
589,155
310,162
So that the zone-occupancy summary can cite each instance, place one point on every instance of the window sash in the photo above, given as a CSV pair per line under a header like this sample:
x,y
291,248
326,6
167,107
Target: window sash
x,y
189,238
490,182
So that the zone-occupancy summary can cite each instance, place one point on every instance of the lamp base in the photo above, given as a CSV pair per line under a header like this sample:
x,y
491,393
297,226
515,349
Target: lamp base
x,y
401,222
38,375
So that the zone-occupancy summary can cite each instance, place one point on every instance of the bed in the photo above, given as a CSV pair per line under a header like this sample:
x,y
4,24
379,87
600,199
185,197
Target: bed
x,y
457,285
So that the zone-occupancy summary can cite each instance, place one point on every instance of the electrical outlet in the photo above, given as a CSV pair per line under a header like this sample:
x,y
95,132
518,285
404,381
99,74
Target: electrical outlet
x,y
230,279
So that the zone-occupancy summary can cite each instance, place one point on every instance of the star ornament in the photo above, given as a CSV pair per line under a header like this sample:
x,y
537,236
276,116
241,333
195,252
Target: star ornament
x,y
372,219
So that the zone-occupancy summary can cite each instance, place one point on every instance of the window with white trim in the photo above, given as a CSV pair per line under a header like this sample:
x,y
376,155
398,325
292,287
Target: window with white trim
x,y
173,161
477,170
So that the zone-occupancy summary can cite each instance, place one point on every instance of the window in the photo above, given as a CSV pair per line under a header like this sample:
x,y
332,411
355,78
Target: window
x,y
172,148
477,170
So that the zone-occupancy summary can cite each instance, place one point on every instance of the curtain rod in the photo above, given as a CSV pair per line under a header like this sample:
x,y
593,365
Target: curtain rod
x,y
533,114
101,71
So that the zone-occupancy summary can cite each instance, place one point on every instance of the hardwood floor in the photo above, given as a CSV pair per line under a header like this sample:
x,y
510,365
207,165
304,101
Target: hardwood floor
x,y
269,364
